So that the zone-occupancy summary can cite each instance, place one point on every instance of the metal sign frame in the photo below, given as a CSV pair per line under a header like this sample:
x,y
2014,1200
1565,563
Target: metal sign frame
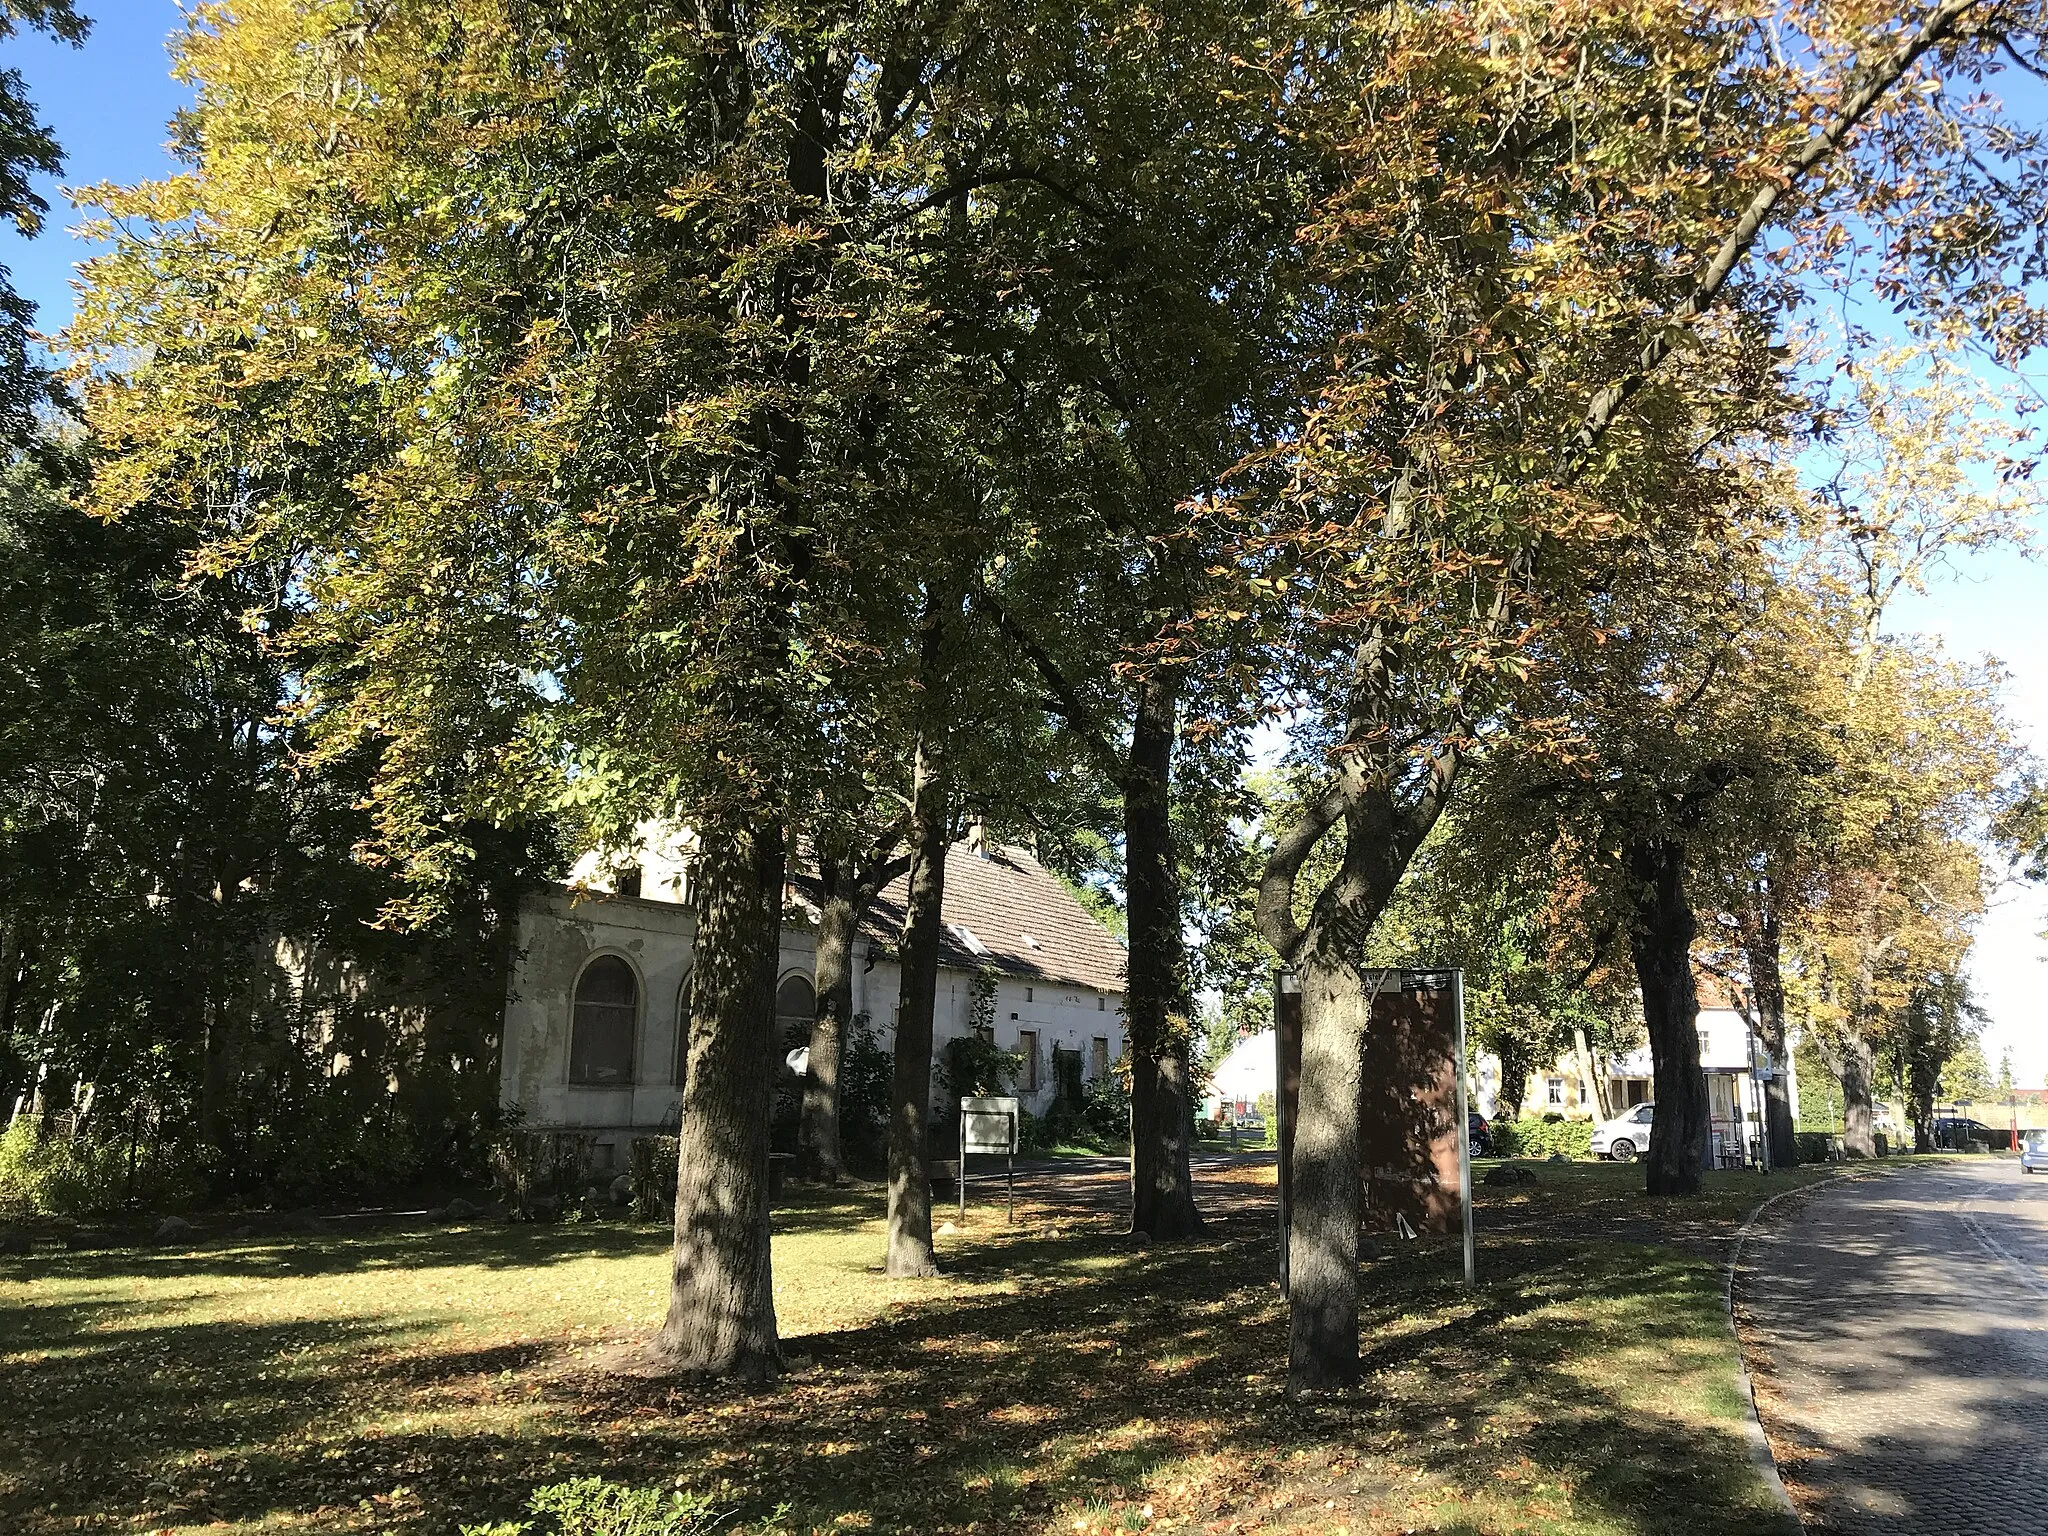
x,y
1287,986
977,1115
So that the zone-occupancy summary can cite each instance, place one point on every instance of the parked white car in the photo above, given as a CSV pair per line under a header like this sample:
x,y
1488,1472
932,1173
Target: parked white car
x,y
1626,1137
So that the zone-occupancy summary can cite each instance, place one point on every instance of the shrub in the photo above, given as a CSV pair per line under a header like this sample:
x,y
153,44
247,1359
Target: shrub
x,y
652,1160
1036,1136
1815,1146
974,1067
1107,1116
533,1166
866,1071
1541,1138
590,1506
56,1175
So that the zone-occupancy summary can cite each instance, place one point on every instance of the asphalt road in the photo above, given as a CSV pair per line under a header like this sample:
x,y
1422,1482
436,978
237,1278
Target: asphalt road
x,y
1897,1326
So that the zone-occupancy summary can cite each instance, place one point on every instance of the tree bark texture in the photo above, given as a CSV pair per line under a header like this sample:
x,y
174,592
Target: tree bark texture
x,y
1156,999
818,1133
1859,1071
1767,989
1322,1227
910,1192
1660,937
910,1097
721,1309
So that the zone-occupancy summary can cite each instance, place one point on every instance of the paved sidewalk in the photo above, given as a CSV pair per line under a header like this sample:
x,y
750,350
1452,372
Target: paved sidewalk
x,y
1895,1325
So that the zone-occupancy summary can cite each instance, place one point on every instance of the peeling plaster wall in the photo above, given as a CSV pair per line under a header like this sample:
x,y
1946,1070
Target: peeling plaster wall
x,y
558,936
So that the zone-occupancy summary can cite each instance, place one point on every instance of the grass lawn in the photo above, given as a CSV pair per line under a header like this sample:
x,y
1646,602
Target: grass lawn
x,y
413,1379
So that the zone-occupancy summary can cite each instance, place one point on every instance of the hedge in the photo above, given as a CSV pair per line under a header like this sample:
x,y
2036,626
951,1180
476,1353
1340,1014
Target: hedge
x,y
1542,1138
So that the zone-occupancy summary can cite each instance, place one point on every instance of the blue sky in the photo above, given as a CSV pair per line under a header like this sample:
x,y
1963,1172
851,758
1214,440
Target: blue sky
x,y
111,100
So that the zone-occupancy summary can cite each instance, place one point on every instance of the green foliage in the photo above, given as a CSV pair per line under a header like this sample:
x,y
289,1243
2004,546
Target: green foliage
x,y
1108,1114
88,1175
591,1506
652,1162
1543,1138
1966,1075
974,1066
1816,1146
866,1071
542,1171
981,1001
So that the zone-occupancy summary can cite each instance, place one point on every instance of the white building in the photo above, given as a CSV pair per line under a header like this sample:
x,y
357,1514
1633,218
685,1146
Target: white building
x,y
1251,1069
596,1012
1733,1101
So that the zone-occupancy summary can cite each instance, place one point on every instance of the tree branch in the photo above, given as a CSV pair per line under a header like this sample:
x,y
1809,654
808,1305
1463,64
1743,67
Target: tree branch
x,y
1015,173
1066,699
1714,275
1274,911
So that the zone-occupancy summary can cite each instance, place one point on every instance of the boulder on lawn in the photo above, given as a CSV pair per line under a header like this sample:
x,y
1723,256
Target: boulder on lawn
x,y
303,1222
16,1243
460,1209
173,1229
1508,1176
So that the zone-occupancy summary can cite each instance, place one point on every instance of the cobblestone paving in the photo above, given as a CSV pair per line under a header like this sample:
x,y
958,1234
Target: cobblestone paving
x,y
1895,1325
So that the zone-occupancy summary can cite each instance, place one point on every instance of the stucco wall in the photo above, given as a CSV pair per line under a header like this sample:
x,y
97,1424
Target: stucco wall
x,y
559,937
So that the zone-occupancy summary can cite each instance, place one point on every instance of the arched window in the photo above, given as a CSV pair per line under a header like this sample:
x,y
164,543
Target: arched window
x,y
796,1006
606,1020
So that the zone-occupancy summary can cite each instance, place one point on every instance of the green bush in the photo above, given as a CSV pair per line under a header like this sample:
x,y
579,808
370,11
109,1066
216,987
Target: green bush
x,y
1542,1138
1814,1146
50,1175
590,1506
652,1160
866,1071
974,1067
530,1167
1108,1112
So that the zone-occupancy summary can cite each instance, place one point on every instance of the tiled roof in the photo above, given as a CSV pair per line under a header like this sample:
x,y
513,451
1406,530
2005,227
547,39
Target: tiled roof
x,y
1004,910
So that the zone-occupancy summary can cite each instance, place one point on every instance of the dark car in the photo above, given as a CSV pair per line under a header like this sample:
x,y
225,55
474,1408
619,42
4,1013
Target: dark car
x,y
1954,1132
1479,1134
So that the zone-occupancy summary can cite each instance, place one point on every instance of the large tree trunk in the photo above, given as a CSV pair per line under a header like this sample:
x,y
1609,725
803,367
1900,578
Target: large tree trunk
x,y
1859,1069
1660,938
1322,1223
721,1305
819,1132
910,1192
1156,1003
1767,990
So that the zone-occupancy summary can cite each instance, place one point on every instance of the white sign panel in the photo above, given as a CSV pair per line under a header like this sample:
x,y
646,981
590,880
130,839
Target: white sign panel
x,y
988,1126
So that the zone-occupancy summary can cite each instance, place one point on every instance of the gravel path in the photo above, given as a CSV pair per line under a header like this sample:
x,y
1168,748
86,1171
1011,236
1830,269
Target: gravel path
x,y
1897,1326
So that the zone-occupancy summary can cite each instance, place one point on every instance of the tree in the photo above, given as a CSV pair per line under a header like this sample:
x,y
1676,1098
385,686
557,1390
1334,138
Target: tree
x,y
1150,346
27,148
1428,518
581,432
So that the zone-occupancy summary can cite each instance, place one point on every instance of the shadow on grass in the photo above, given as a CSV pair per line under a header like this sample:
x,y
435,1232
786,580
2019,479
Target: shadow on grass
x,y
1100,1377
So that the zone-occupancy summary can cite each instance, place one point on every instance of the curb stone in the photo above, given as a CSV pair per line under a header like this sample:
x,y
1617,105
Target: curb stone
x,y
1752,1427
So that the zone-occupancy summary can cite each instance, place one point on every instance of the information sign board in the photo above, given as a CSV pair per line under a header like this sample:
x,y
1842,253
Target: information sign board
x,y
988,1127
1414,1147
